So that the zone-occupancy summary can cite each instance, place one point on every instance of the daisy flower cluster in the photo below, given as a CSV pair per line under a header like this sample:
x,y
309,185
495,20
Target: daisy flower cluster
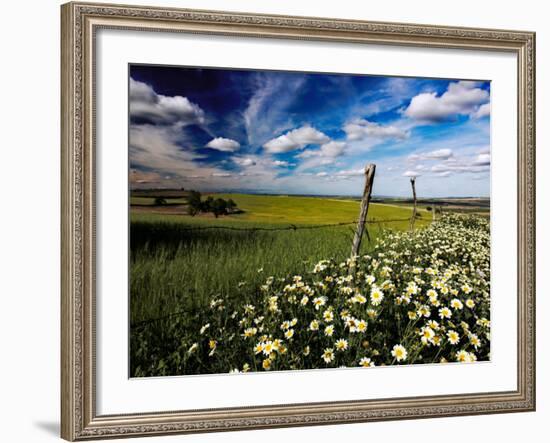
x,y
417,297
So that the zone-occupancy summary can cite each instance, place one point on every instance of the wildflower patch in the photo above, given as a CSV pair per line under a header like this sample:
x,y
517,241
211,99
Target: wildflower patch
x,y
418,297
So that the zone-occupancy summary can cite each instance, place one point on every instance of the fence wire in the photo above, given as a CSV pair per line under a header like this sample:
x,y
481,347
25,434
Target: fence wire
x,y
140,324
289,227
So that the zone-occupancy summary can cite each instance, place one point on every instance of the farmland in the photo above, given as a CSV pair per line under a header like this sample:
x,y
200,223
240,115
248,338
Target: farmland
x,y
177,264
464,205
189,272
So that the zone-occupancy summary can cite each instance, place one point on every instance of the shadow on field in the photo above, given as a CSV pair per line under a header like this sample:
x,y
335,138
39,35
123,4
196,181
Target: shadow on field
x,y
168,236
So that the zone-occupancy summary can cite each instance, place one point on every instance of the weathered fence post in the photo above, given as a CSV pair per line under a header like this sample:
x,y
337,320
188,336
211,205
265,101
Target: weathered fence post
x,y
413,218
369,178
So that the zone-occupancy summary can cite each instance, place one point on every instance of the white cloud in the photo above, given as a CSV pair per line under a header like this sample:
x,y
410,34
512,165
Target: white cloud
x,y
360,129
280,163
308,153
411,174
138,177
221,174
483,111
281,144
321,174
159,148
461,98
331,149
438,154
326,155
254,166
351,172
146,106
443,154
266,113
223,144
296,139
460,168
244,161
141,92
447,163
482,159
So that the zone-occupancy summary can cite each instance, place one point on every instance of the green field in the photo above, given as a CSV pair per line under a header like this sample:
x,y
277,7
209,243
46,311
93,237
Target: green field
x,y
179,262
467,205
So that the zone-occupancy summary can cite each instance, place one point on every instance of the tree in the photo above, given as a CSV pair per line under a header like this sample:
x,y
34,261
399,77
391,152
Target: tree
x,y
218,207
206,205
194,202
231,205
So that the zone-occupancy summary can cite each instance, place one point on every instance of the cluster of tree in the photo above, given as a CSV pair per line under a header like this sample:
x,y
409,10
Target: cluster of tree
x,y
217,206
437,209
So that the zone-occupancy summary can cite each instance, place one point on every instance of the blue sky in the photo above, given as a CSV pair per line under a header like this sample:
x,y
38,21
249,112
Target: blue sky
x,y
307,133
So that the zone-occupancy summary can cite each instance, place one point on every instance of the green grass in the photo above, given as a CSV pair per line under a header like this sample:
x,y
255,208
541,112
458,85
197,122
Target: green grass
x,y
175,268
224,336
273,209
308,210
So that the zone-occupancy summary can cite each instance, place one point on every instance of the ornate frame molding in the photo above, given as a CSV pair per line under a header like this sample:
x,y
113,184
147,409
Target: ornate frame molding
x,y
79,23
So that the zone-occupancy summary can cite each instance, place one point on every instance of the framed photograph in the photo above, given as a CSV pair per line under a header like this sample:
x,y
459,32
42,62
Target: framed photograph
x,y
281,221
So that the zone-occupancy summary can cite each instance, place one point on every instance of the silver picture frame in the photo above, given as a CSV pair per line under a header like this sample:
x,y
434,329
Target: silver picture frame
x,y
80,22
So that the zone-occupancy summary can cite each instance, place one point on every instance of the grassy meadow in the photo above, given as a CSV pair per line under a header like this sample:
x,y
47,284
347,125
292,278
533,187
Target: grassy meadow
x,y
240,294
177,265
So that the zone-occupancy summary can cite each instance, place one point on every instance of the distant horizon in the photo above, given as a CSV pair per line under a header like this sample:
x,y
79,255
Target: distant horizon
x,y
294,133
373,196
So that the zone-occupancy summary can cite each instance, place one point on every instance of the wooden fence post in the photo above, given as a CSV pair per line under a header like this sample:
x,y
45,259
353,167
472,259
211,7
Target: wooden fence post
x,y
413,218
369,178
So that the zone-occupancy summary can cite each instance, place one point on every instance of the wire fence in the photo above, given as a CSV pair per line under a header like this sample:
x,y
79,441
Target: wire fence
x,y
289,227
143,323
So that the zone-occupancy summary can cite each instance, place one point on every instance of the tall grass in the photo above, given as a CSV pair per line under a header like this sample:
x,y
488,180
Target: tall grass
x,y
176,269
418,297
